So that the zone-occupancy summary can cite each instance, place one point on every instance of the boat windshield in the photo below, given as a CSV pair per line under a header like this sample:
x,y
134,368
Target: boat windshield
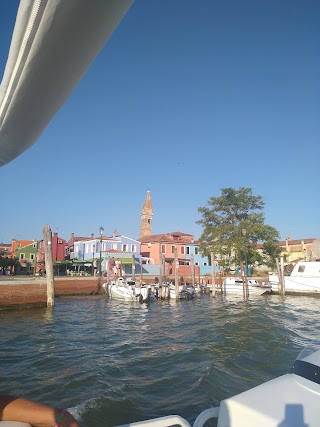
x,y
307,351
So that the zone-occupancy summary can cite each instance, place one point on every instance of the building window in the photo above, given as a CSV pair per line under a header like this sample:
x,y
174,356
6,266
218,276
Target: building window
x,y
32,257
196,250
172,249
114,246
133,248
34,245
21,256
163,249
196,263
182,250
124,248
205,264
188,250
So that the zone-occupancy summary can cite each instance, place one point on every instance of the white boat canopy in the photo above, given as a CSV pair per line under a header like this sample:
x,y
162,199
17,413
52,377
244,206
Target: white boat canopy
x,y
53,44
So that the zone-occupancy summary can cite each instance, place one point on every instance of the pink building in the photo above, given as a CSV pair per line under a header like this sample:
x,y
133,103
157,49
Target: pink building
x,y
155,247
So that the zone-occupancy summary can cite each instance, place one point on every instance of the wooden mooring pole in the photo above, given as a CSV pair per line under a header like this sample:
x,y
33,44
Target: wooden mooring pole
x,y
176,272
160,267
280,270
133,268
47,240
282,275
213,276
193,276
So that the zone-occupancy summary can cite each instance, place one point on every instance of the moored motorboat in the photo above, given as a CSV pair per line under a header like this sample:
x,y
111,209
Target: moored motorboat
x,y
185,291
122,289
236,285
305,277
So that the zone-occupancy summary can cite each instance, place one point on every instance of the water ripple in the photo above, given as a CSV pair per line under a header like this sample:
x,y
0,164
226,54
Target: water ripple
x,y
113,362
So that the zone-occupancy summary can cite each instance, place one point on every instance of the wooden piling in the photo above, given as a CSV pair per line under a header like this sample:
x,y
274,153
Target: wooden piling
x,y
282,275
160,267
47,240
213,276
280,285
176,271
193,278
243,286
133,267
140,271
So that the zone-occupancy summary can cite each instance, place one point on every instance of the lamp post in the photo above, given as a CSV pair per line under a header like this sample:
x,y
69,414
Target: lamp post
x,y
101,230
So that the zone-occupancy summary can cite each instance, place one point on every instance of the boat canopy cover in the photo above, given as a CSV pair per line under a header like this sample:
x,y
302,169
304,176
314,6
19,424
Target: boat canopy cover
x,y
53,44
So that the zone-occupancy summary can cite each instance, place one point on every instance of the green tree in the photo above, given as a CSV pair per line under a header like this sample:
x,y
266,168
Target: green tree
x,y
223,222
8,262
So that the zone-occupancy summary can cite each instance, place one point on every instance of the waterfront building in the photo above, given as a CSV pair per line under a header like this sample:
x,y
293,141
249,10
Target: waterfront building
x,y
161,248
27,257
116,245
299,250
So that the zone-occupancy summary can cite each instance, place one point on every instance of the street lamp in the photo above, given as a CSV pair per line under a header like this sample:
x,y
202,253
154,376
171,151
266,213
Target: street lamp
x,y
101,230
244,233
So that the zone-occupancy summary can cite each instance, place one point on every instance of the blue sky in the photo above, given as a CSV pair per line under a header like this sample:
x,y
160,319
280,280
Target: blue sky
x,y
187,97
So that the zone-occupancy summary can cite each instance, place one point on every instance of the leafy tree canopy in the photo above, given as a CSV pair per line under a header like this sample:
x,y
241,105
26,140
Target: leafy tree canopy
x,y
7,262
224,221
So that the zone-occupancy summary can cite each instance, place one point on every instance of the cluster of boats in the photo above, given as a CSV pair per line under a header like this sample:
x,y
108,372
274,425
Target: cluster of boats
x,y
305,278
130,290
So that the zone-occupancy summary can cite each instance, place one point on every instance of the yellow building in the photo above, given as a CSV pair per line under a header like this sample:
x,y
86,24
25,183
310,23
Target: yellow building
x,y
298,250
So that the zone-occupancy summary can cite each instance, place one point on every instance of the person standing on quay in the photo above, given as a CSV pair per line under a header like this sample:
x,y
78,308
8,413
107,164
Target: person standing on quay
x,y
118,267
95,267
112,265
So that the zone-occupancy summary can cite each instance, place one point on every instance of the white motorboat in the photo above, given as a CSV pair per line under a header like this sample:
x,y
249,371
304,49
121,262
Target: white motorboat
x,y
234,285
185,291
291,400
128,290
305,277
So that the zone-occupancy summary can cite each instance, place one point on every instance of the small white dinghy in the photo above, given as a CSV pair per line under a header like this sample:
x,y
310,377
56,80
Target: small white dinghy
x,y
291,400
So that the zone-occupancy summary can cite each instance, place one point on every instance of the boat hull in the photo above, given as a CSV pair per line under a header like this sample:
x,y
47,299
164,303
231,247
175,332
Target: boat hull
x,y
236,286
305,278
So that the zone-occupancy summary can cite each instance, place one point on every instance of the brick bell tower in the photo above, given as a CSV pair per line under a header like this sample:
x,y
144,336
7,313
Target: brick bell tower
x,y
146,217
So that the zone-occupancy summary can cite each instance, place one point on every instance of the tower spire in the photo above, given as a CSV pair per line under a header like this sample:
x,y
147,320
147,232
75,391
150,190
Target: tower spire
x,y
146,217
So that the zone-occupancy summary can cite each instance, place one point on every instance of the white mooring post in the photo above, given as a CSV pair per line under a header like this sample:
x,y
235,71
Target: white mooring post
x,y
47,240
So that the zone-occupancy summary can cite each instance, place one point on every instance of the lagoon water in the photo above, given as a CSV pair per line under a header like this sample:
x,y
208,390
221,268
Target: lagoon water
x,y
111,362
